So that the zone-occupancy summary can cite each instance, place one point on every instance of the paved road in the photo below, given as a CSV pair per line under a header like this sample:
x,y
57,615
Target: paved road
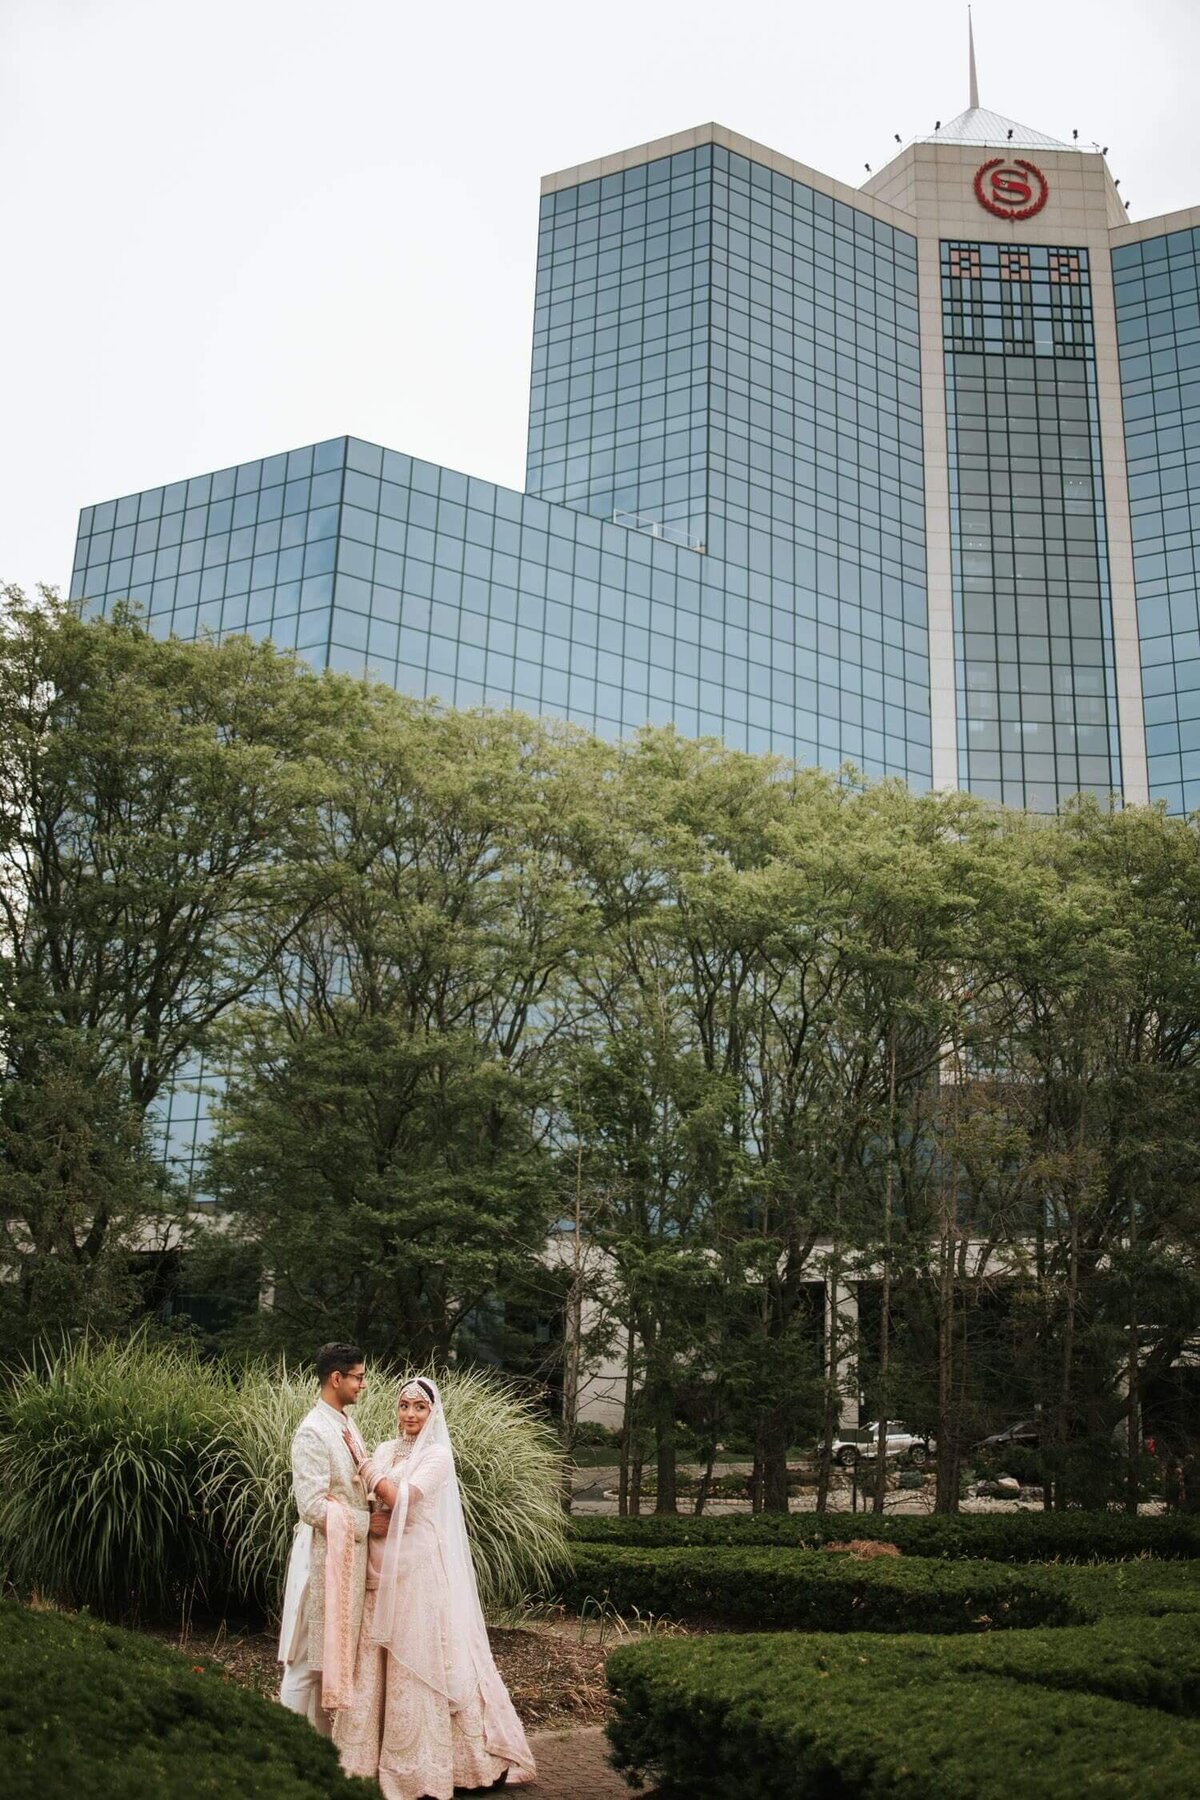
x,y
573,1765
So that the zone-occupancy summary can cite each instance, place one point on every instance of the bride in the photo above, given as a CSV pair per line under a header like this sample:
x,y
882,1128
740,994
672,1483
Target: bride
x,y
430,1712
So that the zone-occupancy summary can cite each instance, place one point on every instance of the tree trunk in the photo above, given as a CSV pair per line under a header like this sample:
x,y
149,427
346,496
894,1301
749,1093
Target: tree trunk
x,y
574,1333
705,1481
635,1482
1066,1389
1135,1422
946,1496
770,1490
954,1454
1133,1376
664,1408
1043,1359
627,1422
833,1347
885,1298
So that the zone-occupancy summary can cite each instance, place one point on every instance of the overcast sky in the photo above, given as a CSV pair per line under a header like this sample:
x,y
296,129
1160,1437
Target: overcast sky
x,y
236,226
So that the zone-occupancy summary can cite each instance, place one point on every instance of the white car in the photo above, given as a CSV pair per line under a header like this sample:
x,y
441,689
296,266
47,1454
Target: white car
x,y
849,1447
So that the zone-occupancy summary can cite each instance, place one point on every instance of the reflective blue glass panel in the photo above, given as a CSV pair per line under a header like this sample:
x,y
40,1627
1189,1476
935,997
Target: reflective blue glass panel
x,y
1158,335
1036,685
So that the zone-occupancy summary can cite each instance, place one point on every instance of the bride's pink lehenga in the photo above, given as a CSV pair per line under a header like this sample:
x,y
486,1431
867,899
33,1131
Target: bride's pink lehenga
x,y
430,1712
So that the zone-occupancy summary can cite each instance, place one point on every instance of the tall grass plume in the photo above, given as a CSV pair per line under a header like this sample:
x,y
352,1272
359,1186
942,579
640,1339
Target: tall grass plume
x,y
103,1456
141,1482
508,1466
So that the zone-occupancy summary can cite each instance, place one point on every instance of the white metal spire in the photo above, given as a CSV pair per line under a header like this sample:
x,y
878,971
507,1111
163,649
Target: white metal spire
x,y
973,102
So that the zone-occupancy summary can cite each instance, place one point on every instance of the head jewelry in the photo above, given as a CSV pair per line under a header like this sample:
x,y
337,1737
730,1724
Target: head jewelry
x,y
426,1388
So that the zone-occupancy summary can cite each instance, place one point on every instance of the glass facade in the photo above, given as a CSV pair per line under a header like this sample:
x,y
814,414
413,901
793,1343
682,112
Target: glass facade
x,y
801,628
724,518
251,548
1158,333
619,397
1036,682
729,358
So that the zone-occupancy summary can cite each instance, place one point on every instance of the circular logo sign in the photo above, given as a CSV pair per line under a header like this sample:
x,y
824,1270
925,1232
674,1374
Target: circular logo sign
x,y
1011,190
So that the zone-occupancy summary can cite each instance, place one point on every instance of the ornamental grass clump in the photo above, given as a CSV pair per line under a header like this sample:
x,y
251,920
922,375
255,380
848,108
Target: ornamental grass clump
x,y
508,1470
142,1483
103,1456
510,1475
248,1483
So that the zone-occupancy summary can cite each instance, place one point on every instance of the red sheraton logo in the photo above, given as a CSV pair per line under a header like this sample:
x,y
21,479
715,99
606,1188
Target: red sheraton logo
x,y
1011,190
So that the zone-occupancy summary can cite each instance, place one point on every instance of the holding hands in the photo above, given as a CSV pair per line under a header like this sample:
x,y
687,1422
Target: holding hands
x,y
382,1490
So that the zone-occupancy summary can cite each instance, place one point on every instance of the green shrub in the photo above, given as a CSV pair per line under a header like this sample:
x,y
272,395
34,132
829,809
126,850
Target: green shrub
x,y
102,1478
138,1481
817,1591
92,1711
1155,1663
1076,1709
592,1436
1093,1472
1017,1537
1148,1588
785,1718
1026,1465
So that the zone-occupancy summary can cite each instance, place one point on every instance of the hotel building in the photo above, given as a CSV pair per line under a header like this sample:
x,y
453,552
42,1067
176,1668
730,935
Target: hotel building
x,y
906,475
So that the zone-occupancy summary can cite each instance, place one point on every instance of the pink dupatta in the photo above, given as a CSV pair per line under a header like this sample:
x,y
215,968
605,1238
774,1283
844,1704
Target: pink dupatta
x,y
337,1667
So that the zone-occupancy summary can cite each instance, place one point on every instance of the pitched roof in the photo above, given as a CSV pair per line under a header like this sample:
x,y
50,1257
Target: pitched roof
x,y
978,125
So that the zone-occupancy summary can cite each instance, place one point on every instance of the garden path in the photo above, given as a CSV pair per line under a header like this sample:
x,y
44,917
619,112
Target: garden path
x,y
573,1765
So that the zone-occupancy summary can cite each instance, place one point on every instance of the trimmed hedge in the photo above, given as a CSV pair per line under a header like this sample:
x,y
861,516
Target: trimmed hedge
x,y
785,1718
1155,1664
993,1537
1107,1709
814,1591
1131,1590
89,1710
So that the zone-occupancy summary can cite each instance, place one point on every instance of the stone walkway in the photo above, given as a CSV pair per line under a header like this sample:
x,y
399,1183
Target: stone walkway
x,y
573,1765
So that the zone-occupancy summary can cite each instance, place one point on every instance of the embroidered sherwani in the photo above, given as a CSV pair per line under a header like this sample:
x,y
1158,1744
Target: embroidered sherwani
x,y
322,1470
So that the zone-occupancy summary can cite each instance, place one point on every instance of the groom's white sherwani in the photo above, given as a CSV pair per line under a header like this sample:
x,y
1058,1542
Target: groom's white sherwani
x,y
322,1469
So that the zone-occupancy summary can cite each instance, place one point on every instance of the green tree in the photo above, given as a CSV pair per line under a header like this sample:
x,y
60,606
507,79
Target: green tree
x,y
153,797
662,1108
382,1139
1066,1138
80,1191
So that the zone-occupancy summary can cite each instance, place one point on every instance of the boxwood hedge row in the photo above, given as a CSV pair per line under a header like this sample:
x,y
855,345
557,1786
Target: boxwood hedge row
x,y
788,1717
996,1537
90,1710
812,1590
1107,1709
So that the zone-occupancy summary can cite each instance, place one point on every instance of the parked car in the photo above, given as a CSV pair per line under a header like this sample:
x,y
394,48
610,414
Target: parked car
x,y
1025,1435
911,1445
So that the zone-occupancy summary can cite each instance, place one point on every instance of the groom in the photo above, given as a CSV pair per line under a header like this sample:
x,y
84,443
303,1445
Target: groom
x,y
326,1579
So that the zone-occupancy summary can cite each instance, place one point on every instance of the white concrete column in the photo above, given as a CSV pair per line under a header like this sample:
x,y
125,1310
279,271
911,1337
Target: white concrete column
x,y
1126,645
841,1322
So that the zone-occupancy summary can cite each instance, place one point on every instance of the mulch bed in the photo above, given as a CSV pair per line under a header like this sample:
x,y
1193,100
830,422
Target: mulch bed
x,y
555,1681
